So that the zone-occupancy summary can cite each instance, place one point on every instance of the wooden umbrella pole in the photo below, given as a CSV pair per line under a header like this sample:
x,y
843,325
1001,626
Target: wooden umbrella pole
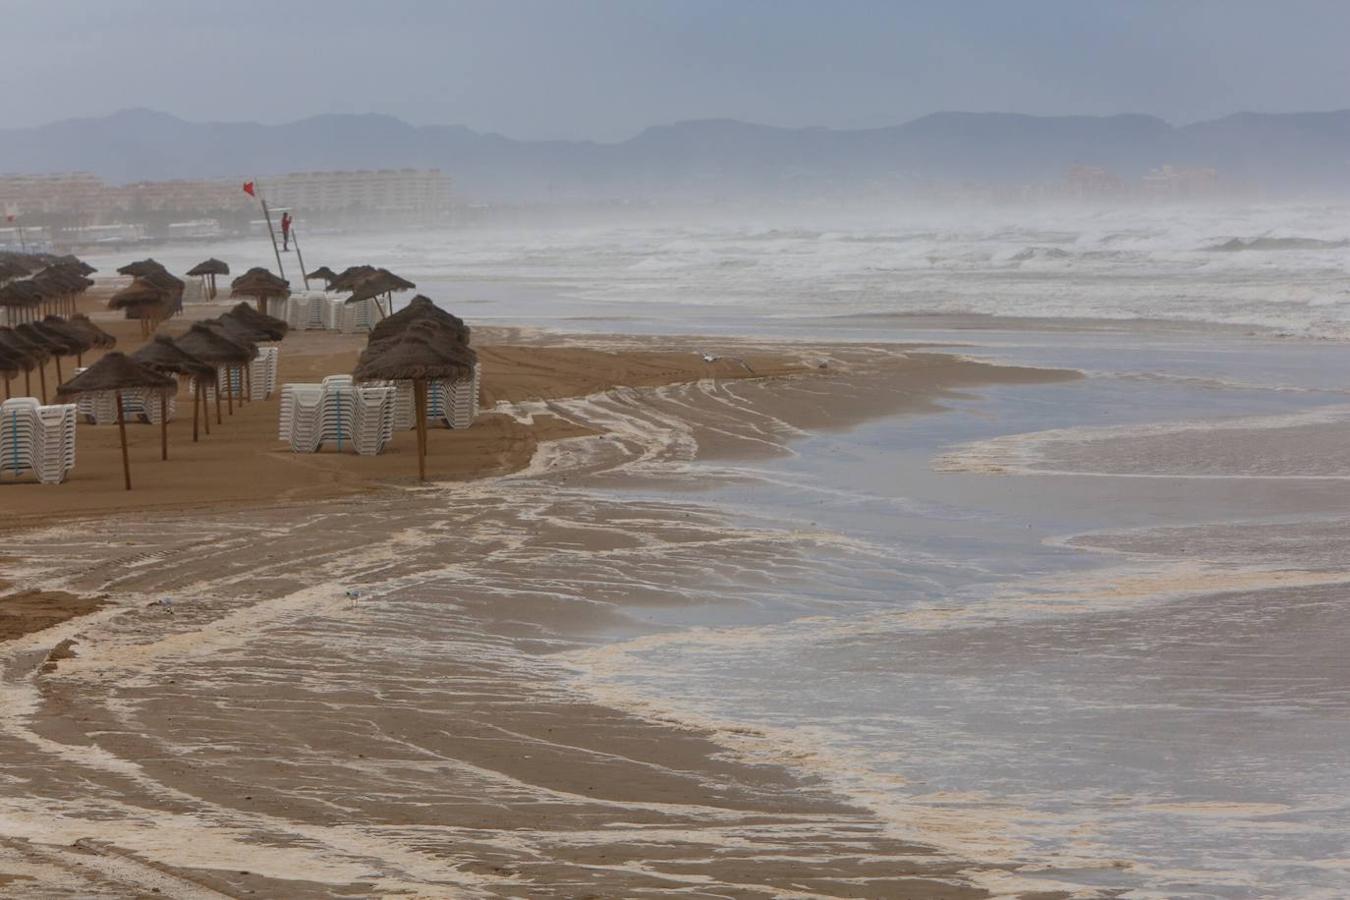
x,y
27,382
164,427
42,379
248,383
196,406
122,433
229,388
217,393
420,396
59,379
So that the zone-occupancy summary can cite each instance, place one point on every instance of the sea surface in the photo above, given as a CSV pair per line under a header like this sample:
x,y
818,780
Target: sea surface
x,y
1093,628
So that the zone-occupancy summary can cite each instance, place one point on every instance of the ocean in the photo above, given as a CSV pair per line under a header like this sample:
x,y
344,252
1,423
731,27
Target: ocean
x,y
1091,629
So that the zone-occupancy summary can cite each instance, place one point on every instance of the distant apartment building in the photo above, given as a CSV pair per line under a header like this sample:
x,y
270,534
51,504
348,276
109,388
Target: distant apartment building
x,y
81,193
412,192
1093,181
1180,182
81,199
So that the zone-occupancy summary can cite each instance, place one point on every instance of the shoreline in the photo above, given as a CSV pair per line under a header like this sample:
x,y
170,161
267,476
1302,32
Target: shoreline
x,y
203,550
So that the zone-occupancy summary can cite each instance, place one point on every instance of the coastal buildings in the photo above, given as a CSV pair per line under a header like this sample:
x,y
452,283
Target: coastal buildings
x,y
417,192
81,200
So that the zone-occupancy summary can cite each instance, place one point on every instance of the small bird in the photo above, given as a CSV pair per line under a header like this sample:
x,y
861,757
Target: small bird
x,y
166,604
353,595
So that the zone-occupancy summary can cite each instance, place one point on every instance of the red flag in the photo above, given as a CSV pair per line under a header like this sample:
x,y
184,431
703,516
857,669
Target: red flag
x,y
248,189
9,218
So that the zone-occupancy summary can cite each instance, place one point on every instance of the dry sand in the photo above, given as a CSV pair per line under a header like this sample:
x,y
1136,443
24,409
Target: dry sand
x,y
263,709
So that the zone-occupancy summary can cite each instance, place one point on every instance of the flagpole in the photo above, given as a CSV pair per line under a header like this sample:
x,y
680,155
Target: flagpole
x,y
249,187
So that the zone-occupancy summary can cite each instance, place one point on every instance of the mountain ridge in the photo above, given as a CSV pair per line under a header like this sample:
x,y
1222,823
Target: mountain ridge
x,y
699,158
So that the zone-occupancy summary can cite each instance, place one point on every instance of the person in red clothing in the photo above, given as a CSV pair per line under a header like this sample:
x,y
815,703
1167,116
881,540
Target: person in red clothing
x,y
285,231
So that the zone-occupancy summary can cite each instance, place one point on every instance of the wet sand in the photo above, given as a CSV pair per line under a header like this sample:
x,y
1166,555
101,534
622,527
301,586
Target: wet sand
x,y
264,734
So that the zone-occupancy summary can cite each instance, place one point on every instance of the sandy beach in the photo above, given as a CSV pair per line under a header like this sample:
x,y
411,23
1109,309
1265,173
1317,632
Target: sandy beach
x,y
182,704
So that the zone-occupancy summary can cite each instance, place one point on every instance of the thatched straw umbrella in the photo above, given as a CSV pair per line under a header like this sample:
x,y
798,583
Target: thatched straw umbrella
x,y
423,351
21,299
144,300
207,270
260,284
59,285
155,273
324,274
419,309
31,356
141,267
215,349
348,278
94,336
117,372
270,328
380,283
43,350
164,356
62,342
246,336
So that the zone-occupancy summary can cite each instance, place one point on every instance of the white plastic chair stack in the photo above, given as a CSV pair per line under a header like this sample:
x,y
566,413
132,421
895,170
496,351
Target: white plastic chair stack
x,y
38,439
262,373
339,410
149,406
372,419
349,417
456,401
355,317
301,412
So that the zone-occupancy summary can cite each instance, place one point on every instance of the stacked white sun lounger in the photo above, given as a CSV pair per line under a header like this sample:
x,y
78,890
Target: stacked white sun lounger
x,y
37,439
455,402
138,406
317,311
262,373
338,413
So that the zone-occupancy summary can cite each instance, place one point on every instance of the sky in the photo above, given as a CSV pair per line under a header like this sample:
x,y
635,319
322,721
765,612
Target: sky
x,y
606,69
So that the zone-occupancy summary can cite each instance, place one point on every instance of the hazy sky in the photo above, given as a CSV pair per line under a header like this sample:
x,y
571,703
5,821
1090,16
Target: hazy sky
x,y
605,69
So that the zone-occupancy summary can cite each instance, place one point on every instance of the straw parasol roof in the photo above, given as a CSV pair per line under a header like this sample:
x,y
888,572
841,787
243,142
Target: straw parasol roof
x,y
381,281
423,350
270,327
116,371
324,273
57,333
258,282
18,345
163,355
55,344
419,309
214,348
210,266
70,260
349,277
141,267
20,293
139,293
100,338
234,330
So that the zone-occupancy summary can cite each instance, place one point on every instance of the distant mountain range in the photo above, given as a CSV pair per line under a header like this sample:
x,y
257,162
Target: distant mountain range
x,y
702,160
